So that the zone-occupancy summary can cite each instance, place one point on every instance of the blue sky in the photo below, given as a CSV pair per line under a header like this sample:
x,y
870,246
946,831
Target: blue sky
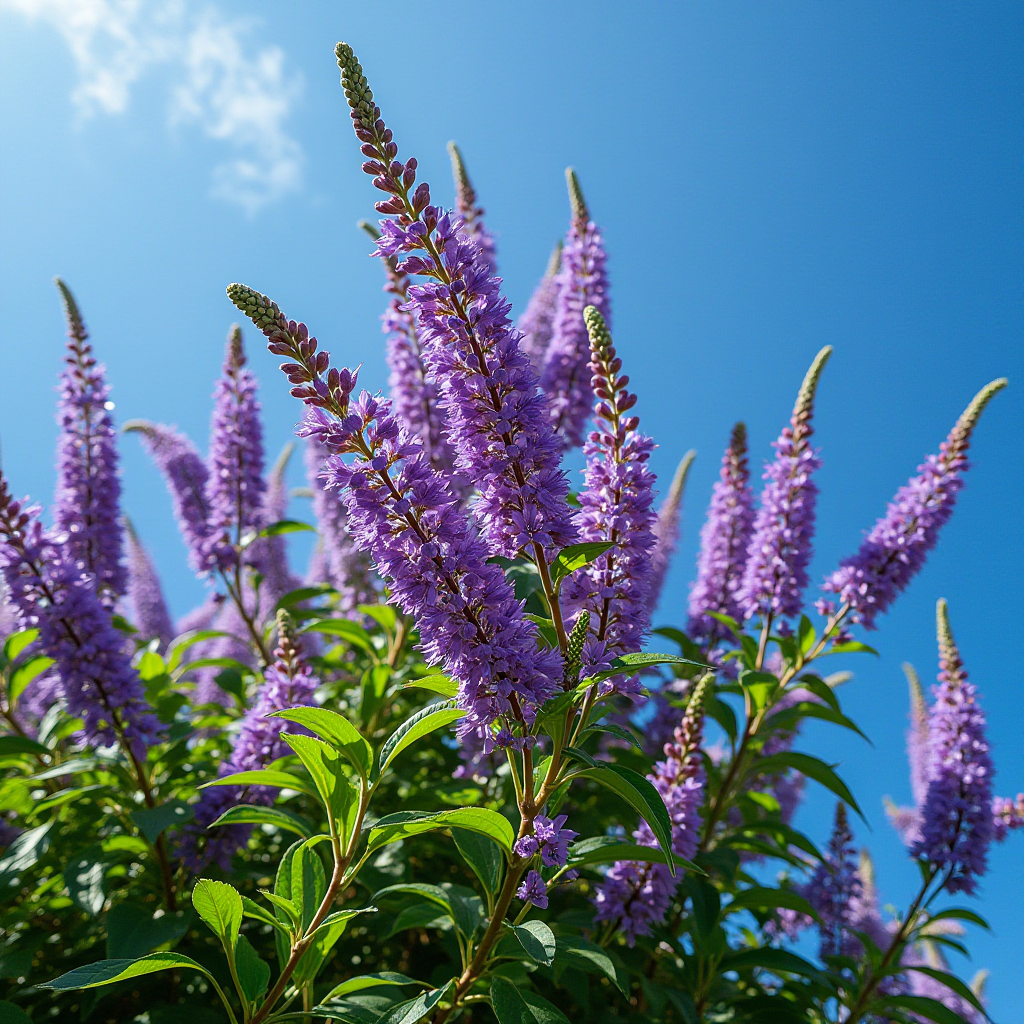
x,y
770,178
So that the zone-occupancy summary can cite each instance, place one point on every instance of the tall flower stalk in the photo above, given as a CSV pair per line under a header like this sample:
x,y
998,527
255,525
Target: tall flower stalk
x,y
666,529
145,593
471,211
538,320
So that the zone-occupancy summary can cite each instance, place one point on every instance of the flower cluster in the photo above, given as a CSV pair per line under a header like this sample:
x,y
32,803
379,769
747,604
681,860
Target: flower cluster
x,y
666,530
538,320
549,839
471,212
834,889
145,594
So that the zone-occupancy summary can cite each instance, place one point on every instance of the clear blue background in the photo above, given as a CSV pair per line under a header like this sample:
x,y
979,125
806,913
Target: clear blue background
x,y
771,178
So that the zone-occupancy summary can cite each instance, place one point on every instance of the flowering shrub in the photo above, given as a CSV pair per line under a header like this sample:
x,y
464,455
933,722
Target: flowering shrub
x,y
439,776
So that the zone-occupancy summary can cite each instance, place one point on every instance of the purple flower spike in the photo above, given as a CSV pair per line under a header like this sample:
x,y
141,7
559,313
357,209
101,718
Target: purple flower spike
x,y
1007,816
471,211
336,561
54,595
420,540
957,824
287,683
616,507
917,738
835,889
898,544
636,896
186,475
145,594
269,555
235,488
497,420
538,321
582,282
724,540
86,508
780,549
666,529
533,890
414,393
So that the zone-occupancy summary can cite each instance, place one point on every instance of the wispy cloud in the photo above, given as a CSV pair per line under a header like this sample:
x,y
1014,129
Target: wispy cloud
x,y
221,81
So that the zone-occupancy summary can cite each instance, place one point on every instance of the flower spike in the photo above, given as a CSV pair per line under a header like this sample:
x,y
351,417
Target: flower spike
x,y
471,212
538,320
666,529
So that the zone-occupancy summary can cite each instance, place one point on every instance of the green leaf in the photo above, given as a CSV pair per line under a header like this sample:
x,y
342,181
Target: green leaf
x,y
414,1010
287,906
545,627
853,647
951,982
324,765
813,768
409,823
84,876
152,821
374,685
608,849
181,644
133,931
820,689
10,746
791,717
336,730
340,917
253,973
437,683
764,898
17,642
250,908
508,1005
383,614
574,557
351,632
923,1006
283,526
76,766
723,714
220,906
24,852
618,731
250,814
366,981
301,879
300,594
24,674
592,959
106,972
10,1013
635,662
482,854
960,914
640,794
264,777
424,722
773,960
538,940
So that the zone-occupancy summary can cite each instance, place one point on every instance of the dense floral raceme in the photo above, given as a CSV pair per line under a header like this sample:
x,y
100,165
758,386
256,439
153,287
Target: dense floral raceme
x,y
420,540
86,507
666,529
496,418
54,595
834,889
724,540
775,574
616,508
956,815
287,683
582,282
895,549
538,319
235,489
145,594
471,212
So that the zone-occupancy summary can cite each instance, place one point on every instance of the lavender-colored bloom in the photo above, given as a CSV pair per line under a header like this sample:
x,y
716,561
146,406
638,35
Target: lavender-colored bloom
x,y
55,596
1007,815
202,617
864,913
533,890
636,896
269,555
235,490
666,530
86,508
553,839
780,549
8,614
616,507
186,475
582,282
898,544
471,212
833,888
421,541
288,682
145,594
538,320
234,643
917,738
496,418
337,561
724,540
957,824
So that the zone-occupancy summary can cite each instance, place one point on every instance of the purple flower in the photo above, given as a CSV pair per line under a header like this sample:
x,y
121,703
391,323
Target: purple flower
x,y
287,683
917,738
538,320
471,212
776,569
724,540
533,890
86,508
553,840
666,530
336,561
898,544
235,489
635,897
269,555
833,889
234,643
186,475
149,609
956,825
582,282
200,618
616,505
420,539
1007,815
496,419
864,913
54,595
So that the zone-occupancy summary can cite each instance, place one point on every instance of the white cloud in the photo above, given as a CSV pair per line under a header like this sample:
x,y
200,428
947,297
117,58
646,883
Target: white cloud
x,y
221,82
